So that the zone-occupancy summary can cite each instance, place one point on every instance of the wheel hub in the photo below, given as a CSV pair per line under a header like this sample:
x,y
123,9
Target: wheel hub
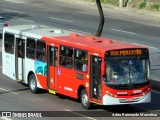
x,y
33,84
85,99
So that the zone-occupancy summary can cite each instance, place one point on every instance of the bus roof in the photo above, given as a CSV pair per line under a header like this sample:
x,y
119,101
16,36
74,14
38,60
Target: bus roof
x,y
37,31
91,43
66,37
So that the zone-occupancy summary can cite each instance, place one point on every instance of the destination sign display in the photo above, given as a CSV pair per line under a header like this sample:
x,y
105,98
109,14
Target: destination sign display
x,y
126,52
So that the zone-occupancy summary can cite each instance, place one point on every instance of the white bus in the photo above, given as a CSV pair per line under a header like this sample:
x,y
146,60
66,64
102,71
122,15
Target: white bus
x,y
19,47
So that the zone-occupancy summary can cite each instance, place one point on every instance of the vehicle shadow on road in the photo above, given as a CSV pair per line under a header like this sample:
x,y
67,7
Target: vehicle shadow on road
x,y
13,91
153,106
119,108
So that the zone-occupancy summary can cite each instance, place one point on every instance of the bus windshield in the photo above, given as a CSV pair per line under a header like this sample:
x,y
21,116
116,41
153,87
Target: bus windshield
x,y
127,71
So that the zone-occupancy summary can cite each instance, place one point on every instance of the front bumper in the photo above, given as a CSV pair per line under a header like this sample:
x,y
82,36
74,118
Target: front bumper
x,y
108,100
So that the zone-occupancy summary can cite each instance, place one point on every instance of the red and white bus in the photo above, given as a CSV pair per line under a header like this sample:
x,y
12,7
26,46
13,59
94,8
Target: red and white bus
x,y
89,68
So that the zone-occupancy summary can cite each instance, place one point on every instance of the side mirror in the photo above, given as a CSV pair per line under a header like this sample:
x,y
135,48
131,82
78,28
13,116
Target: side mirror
x,y
104,77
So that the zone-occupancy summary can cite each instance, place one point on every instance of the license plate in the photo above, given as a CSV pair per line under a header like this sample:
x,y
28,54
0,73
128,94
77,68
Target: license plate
x,y
129,99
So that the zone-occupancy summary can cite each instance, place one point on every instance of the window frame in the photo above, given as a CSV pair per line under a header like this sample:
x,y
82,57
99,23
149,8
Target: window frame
x,y
39,50
60,61
11,47
34,49
86,61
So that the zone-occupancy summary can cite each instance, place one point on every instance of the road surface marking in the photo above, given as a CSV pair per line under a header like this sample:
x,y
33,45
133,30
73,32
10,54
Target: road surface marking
x,y
8,7
12,11
23,20
8,91
60,19
13,1
146,46
155,91
80,114
5,118
123,31
79,31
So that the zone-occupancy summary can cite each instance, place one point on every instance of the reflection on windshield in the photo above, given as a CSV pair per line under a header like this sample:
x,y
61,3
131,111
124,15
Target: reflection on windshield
x,y
126,71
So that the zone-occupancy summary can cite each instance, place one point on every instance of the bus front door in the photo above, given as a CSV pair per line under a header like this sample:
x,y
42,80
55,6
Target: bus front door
x,y
95,79
52,67
20,58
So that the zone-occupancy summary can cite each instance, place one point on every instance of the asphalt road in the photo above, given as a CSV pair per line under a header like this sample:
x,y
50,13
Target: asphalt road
x,y
76,17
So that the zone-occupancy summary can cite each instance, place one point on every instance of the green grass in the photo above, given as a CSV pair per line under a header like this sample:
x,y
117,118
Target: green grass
x,y
155,7
142,5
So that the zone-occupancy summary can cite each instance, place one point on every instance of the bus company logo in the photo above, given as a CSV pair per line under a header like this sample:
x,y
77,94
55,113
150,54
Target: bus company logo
x,y
21,114
6,114
122,93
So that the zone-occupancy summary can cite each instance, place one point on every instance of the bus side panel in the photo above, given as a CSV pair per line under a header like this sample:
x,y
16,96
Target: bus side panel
x,y
42,81
30,67
70,80
8,61
66,82
41,72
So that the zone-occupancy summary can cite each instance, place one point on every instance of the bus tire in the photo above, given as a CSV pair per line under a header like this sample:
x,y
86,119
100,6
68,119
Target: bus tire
x,y
33,84
84,100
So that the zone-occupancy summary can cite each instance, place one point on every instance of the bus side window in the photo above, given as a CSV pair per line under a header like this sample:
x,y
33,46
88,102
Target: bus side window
x,y
81,60
66,59
41,51
30,48
9,43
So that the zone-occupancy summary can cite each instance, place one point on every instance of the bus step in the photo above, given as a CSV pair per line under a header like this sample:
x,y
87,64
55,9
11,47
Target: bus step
x,y
52,91
96,102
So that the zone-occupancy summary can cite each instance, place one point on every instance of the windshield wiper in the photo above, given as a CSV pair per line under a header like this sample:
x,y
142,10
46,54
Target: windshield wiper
x,y
137,61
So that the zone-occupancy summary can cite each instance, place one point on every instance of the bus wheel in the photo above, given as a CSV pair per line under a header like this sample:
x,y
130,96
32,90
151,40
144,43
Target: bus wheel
x,y
33,84
84,100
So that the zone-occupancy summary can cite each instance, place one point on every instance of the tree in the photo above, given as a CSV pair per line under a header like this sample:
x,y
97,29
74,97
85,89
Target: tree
x,y
101,23
120,3
123,3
